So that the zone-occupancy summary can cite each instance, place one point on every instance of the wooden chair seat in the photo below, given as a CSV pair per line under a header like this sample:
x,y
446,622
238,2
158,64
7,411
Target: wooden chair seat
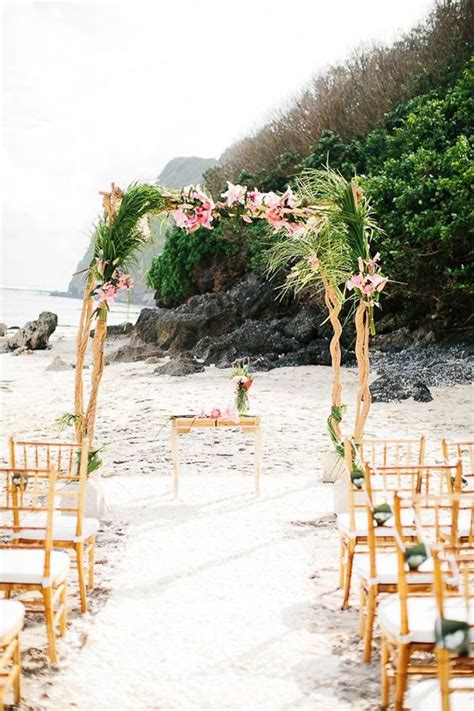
x,y
12,616
426,695
422,615
21,566
387,570
64,528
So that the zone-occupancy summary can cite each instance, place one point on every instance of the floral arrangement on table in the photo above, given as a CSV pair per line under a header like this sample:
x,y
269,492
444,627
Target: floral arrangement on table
x,y
243,380
217,412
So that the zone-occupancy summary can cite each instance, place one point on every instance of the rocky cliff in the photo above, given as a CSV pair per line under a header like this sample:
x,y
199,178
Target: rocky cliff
x,y
176,173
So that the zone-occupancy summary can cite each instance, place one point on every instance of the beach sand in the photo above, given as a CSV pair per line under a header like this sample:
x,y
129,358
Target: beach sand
x,y
219,599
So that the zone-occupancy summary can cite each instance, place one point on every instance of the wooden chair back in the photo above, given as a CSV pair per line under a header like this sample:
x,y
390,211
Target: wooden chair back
x,y
464,451
377,453
20,503
454,575
69,460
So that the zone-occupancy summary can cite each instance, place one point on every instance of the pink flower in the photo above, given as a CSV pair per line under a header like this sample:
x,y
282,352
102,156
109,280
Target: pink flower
x,y
179,217
234,194
289,198
368,289
372,263
294,229
271,199
106,293
274,216
216,413
313,262
254,200
377,281
125,281
355,282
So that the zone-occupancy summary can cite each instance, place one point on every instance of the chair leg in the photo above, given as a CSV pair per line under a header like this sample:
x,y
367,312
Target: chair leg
x,y
17,662
49,615
63,618
81,575
369,623
347,581
384,680
442,658
362,609
342,571
91,564
403,656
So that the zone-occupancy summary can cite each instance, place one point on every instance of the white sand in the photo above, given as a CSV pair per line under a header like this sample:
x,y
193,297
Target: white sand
x,y
219,599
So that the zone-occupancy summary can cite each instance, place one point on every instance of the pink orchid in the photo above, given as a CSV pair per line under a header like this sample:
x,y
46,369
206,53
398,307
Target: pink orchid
x,y
274,217
234,194
271,199
107,293
313,262
377,281
216,413
355,282
368,289
254,199
125,281
179,217
289,198
294,229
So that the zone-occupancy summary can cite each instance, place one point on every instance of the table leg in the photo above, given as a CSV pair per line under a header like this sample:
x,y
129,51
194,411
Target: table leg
x,y
258,459
174,454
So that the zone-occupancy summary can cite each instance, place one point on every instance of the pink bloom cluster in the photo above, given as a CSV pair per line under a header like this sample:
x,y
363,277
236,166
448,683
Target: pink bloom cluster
x,y
369,282
107,292
221,412
277,210
195,211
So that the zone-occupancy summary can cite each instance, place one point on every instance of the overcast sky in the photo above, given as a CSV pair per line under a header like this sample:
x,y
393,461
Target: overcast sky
x,y
98,91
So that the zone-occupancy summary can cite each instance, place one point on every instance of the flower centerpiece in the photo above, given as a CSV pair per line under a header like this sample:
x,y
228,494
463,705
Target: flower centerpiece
x,y
243,380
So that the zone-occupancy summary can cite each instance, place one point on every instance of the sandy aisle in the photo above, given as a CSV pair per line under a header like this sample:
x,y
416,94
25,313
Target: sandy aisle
x,y
218,600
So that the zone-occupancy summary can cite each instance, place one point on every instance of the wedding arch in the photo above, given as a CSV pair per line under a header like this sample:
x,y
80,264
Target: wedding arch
x,y
326,230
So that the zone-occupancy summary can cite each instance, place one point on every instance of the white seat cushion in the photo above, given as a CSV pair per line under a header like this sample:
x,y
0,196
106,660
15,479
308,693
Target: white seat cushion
x,y
361,524
387,569
64,527
426,695
422,614
12,615
18,565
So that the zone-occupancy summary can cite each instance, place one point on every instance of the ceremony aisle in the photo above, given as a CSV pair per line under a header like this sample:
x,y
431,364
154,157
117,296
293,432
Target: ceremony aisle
x,y
218,599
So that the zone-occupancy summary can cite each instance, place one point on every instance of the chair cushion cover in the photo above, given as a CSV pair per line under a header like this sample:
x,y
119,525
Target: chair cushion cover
x,y
426,695
18,565
64,527
387,569
12,614
422,614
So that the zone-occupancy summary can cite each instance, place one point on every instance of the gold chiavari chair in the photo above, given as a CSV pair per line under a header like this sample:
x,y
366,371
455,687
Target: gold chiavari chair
x,y
407,619
454,688
464,451
12,615
71,529
33,568
377,569
353,524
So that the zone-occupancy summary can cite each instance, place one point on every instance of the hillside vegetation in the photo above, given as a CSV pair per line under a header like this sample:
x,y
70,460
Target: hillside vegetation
x,y
399,116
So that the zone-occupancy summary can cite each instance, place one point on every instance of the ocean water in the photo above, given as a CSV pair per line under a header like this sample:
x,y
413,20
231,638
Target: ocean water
x,y
17,306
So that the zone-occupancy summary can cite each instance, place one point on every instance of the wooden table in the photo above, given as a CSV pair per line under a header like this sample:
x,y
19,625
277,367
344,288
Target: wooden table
x,y
250,424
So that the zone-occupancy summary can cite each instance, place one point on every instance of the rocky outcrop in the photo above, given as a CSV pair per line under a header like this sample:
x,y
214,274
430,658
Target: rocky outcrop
x,y
246,321
184,364
35,334
3,329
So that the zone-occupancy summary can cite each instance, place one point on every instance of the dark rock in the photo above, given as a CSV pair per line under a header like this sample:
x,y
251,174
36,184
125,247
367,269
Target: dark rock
x,y
257,298
421,393
303,326
35,334
252,338
316,353
390,388
131,352
59,364
118,329
394,341
181,328
3,329
182,365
